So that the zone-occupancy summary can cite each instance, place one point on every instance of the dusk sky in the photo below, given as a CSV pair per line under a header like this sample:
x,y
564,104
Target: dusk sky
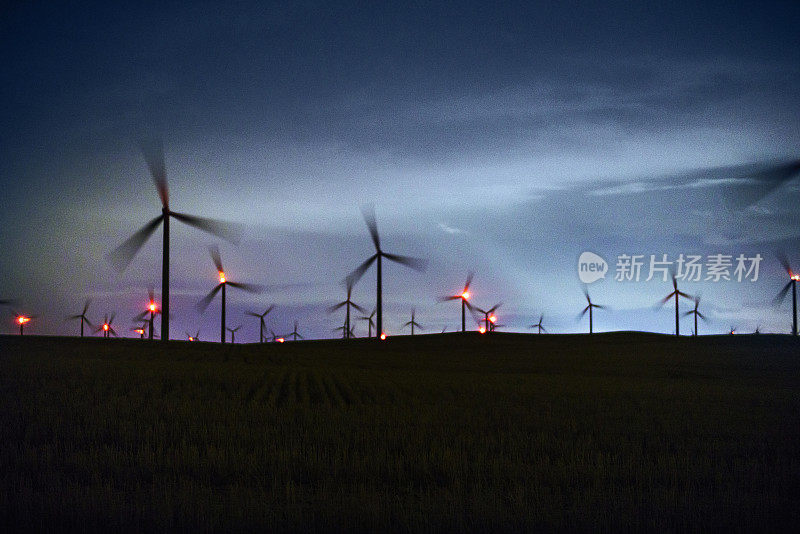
x,y
500,139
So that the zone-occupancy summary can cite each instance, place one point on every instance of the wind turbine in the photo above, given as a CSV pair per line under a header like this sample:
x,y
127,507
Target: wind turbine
x,y
489,318
352,278
276,337
539,325
294,332
22,320
344,331
121,256
107,327
412,323
590,307
370,322
463,296
677,294
82,316
140,330
792,283
233,333
152,309
696,314
262,324
190,337
223,283
348,303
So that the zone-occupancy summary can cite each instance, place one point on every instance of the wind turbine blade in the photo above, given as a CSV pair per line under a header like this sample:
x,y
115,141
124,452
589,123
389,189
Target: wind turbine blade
x,y
368,212
703,317
86,306
267,311
121,256
418,264
580,315
225,230
784,261
357,307
782,294
153,151
215,257
665,300
250,288
685,295
253,314
356,275
470,275
203,304
452,297
335,307
494,308
111,320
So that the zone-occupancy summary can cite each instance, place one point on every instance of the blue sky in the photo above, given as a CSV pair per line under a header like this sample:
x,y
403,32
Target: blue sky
x,y
500,139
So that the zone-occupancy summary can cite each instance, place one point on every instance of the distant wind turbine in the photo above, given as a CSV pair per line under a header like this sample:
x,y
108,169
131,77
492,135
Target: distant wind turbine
x,y
107,328
262,324
22,320
791,284
294,334
223,283
121,256
696,314
347,303
233,333
590,307
370,322
82,316
676,294
539,325
414,263
463,296
412,323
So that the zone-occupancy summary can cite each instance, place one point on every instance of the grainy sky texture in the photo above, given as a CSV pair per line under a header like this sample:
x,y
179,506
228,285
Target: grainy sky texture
x,y
504,139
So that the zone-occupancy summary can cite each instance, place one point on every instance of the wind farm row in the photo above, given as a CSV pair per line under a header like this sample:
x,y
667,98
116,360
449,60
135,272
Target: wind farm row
x,y
486,319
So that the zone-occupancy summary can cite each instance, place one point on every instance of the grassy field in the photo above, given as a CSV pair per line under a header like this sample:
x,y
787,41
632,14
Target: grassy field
x,y
497,433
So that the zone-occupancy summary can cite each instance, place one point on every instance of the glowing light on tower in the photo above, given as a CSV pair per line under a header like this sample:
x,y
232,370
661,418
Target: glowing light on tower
x,y
482,329
383,335
465,295
152,307
221,277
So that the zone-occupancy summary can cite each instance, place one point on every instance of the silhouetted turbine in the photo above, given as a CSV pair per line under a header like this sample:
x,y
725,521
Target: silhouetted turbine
x,y
223,283
294,332
792,283
152,310
123,254
233,333
370,322
107,328
696,314
676,293
347,303
82,316
261,321
539,325
22,320
463,296
489,318
412,323
191,337
414,263
590,307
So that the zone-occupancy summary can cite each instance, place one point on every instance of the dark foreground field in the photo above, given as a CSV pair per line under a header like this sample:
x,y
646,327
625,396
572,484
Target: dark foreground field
x,y
502,433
